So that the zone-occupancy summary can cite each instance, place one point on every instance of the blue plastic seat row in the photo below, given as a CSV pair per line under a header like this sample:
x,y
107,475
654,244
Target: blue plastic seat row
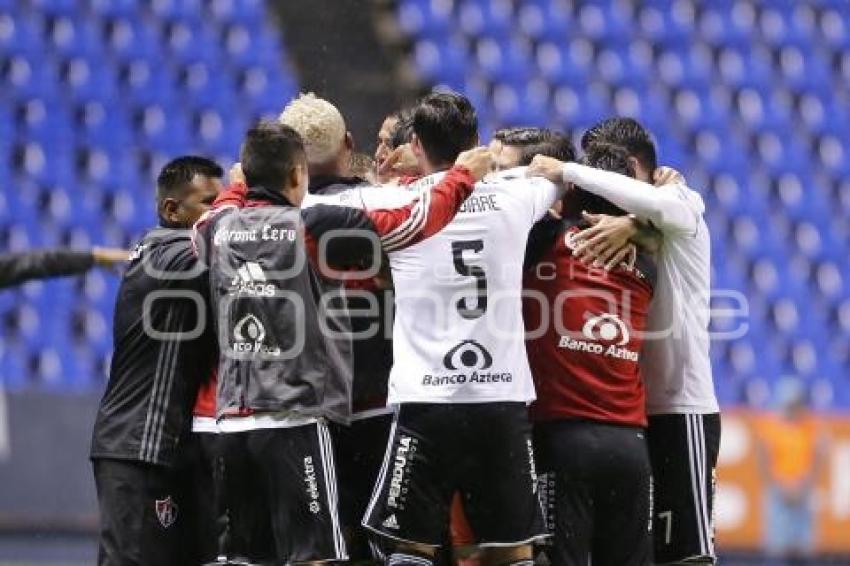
x,y
747,98
98,96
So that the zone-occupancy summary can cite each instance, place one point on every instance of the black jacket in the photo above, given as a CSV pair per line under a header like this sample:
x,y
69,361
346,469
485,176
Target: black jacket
x,y
163,347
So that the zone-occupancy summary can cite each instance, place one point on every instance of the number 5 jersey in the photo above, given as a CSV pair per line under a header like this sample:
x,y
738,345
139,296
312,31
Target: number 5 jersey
x,y
458,332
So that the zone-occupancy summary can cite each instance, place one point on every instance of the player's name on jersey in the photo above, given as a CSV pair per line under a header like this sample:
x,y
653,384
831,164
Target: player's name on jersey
x,y
480,203
264,233
463,378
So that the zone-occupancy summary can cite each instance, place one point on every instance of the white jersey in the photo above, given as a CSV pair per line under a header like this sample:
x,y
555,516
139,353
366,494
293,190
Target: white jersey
x,y
458,335
367,197
675,362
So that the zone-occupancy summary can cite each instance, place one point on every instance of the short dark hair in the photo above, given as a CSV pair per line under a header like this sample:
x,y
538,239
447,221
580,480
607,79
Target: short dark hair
x,y
608,157
269,153
178,173
446,124
537,141
361,164
627,133
403,130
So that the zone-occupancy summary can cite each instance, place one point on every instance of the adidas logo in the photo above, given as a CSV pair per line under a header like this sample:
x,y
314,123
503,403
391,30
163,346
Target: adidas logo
x,y
249,272
251,280
391,522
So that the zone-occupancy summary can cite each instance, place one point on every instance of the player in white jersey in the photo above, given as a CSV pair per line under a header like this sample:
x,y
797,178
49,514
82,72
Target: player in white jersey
x,y
684,417
460,378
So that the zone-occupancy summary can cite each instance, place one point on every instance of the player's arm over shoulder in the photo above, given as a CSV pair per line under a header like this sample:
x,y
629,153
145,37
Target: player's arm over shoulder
x,y
539,192
672,208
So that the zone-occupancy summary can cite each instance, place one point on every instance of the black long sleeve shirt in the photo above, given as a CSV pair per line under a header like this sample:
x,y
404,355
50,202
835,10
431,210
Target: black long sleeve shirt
x,y
16,268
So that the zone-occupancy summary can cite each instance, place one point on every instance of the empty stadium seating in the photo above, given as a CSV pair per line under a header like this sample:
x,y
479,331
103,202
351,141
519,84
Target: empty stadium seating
x,y
748,98
97,95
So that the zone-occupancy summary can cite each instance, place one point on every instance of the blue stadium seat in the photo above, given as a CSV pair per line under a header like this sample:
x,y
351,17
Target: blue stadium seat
x,y
20,32
438,61
603,22
747,98
128,38
507,61
426,18
114,8
545,20
486,17
82,146
248,12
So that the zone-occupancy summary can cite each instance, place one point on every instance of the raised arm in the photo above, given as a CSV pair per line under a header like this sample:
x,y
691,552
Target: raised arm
x,y
404,226
17,268
397,227
670,208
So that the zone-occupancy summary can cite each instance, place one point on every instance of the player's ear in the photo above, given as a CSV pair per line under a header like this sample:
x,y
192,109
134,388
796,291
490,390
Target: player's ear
x,y
169,210
416,145
296,175
349,141
640,173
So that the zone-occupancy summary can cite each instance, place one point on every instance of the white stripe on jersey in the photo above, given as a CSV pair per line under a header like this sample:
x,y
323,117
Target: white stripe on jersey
x,y
411,227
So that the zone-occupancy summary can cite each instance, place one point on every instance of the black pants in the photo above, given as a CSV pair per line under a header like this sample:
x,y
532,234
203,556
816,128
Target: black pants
x,y
596,489
204,462
143,521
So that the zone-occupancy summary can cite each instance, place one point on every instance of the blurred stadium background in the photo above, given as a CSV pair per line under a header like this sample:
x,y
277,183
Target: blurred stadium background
x,y
749,98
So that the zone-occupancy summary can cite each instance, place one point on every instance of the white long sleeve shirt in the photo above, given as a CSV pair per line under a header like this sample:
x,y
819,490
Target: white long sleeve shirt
x,y
675,362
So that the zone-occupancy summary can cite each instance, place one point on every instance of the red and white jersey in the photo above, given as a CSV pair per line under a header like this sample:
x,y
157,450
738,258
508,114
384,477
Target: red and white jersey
x,y
585,328
458,331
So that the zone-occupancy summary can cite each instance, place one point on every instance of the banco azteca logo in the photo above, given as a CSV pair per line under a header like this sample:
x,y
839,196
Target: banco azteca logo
x,y
604,335
469,354
606,328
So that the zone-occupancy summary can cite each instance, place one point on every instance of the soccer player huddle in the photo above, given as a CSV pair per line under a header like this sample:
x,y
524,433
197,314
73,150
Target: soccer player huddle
x,y
455,354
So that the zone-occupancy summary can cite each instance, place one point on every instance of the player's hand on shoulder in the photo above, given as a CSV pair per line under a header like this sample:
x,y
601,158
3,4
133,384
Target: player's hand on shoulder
x,y
401,162
606,242
479,161
547,167
667,176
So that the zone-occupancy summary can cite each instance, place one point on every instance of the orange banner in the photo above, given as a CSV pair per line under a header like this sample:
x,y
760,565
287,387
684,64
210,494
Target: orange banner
x,y
784,478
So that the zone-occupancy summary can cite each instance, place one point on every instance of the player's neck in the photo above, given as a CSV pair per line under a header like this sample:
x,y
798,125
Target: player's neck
x,y
429,169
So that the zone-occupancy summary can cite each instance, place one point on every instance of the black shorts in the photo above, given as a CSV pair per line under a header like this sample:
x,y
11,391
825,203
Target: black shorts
x,y
280,484
596,489
683,450
482,451
142,516
359,450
